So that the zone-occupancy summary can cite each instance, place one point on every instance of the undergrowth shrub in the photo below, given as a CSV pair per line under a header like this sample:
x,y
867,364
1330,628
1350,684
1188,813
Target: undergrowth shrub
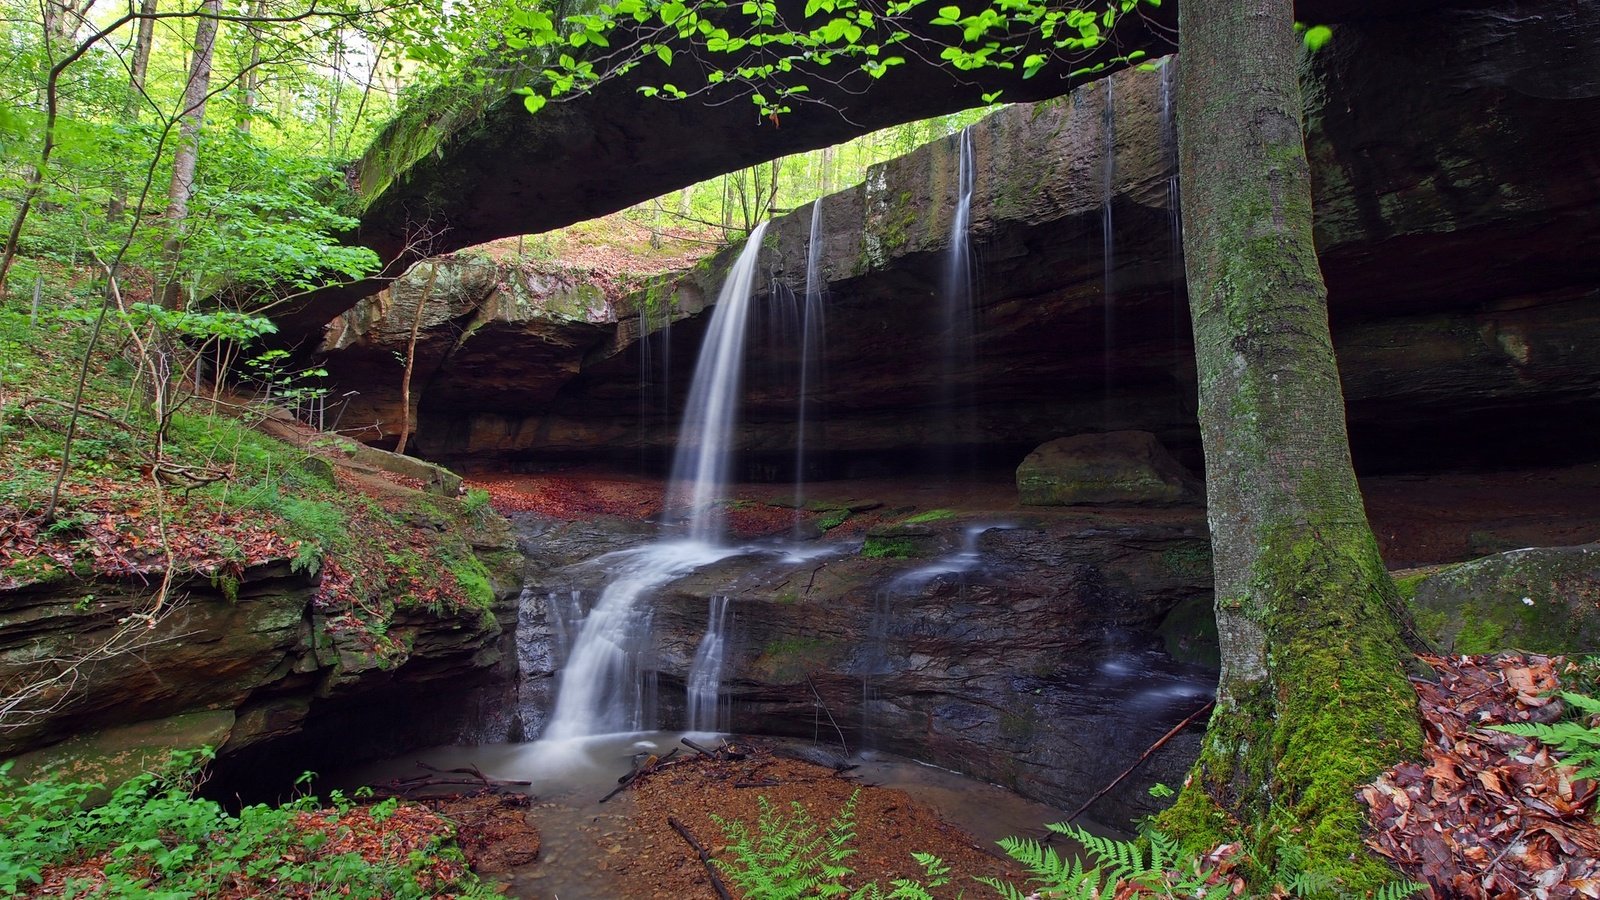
x,y
154,839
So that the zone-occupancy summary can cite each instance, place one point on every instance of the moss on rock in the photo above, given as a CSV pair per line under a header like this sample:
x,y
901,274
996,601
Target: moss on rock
x,y
1544,600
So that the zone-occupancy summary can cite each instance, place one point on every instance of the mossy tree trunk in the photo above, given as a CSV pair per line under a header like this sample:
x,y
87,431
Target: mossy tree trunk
x,y
1313,697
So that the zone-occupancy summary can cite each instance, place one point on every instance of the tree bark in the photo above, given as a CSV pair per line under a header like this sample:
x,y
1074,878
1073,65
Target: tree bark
x,y
138,69
1313,698
250,78
187,155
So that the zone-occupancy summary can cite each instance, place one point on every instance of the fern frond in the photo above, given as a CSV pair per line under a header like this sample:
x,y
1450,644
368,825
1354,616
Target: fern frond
x,y
1399,890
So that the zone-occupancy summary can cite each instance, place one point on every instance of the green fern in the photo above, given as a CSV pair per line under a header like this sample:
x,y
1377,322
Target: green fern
x,y
788,857
1155,863
1577,742
1399,890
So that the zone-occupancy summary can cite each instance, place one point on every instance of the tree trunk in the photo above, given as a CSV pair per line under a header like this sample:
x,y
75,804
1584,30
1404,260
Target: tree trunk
x,y
192,116
138,68
250,78
1313,698
411,360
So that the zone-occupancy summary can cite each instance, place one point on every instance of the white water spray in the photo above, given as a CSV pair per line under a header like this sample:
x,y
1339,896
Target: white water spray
x,y
606,683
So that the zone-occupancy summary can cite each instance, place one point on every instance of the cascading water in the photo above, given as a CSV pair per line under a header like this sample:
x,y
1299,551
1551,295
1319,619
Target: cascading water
x,y
607,683
700,466
1169,154
705,674
655,374
1108,156
954,409
812,335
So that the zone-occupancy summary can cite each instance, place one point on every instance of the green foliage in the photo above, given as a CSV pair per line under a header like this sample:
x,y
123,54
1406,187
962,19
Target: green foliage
x,y
833,519
163,842
877,547
788,857
931,515
1578,741
1155,863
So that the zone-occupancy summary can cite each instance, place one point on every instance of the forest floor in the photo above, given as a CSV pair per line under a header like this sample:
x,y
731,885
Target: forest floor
x,y
699,791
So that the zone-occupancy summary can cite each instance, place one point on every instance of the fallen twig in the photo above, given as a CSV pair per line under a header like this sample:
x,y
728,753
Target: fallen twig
x,y
705,857
1142,757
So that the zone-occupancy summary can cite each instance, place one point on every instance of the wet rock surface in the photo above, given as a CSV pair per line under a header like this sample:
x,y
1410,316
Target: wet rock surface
x,y
1540,599
1024,651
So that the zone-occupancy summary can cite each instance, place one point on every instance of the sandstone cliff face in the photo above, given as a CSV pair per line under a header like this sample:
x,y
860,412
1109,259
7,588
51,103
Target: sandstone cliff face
x,y
1457,217
489,337
1022,649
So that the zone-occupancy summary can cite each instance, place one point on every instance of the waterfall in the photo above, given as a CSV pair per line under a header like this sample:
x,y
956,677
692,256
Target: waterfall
x,y
1169,155
1108,157
608,682
958,301
705,674
700,465
812,332
655,376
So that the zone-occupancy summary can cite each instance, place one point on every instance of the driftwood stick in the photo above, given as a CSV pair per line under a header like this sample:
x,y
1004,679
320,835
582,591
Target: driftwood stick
x,y
698,749
628,779
705,857
1142,757
650,765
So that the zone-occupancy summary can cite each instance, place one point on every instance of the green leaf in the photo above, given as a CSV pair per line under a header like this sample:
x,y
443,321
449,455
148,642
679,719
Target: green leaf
x,y
665,54
533,102
1317,36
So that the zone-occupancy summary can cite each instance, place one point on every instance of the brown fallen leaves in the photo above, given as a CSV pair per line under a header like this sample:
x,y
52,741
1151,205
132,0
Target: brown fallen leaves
x,y
1487,814
118,530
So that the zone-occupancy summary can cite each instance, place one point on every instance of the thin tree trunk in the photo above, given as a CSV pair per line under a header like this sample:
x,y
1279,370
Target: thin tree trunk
x,y
187,155
250,79
411,359
139,66
1313,698
138,70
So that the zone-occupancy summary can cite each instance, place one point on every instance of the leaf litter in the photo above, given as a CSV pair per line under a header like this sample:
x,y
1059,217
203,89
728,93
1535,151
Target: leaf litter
x,y
1488,814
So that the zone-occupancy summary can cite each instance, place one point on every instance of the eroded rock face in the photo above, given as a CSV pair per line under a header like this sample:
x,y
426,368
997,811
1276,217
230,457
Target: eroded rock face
x,y
252,667
490,336
1458,218
1025,653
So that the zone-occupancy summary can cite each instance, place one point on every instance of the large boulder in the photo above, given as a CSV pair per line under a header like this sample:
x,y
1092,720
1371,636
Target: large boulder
x,y
1119,468
1541,599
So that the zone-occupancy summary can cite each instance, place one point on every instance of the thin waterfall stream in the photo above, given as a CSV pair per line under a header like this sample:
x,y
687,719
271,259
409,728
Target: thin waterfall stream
x,y
603,687
955,410
1108,178
812,335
